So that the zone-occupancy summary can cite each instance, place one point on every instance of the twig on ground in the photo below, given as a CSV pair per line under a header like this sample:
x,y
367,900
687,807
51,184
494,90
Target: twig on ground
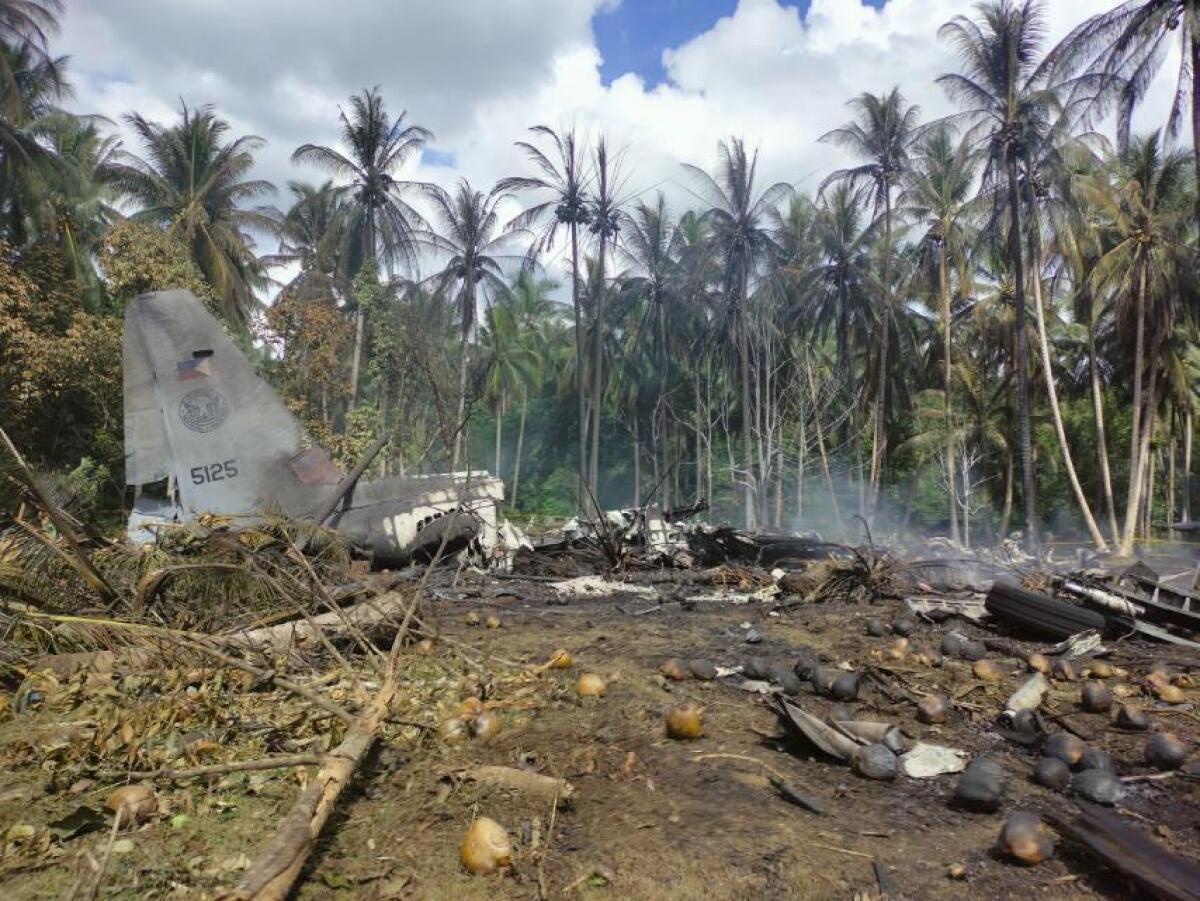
x,y
262,763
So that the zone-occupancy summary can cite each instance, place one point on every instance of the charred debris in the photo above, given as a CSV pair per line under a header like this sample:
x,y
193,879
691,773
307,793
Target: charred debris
x,y
1058,701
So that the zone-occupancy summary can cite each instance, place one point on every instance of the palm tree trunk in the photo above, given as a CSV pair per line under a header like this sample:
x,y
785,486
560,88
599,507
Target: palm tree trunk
x,y
460,423
356,359
1133,498
698,438
1024,441
878,435
1101,431
1006,513
833,501
579,372
520,446
499,433
597,373
1040,314
743,326
637,466
800,474
947,368
1187,466
1172,448
779,490
1148,507
1194,43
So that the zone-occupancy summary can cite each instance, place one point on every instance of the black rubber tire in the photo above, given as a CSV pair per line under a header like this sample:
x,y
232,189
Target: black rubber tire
x,y
1039,613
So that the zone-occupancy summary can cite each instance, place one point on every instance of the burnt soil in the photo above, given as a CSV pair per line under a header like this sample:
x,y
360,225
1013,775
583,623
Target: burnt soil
x,y
650,817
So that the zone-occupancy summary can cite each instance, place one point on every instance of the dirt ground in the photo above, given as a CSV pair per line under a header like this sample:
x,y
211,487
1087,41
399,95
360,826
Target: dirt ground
x,y
650,817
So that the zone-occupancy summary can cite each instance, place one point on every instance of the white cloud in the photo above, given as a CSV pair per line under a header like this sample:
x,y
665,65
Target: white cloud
x,y
480,71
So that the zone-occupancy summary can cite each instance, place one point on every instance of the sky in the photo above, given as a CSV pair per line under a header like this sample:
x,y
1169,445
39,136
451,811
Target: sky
x,y
664,79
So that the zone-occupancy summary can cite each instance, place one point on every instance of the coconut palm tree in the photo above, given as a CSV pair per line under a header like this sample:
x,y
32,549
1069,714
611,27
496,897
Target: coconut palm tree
x,y
649,247
1144,210
881,135
562,174
380,225
1123,50
78,205
536,318
310,232
468,235
738,217
937,195
1008,104
191,179
604,221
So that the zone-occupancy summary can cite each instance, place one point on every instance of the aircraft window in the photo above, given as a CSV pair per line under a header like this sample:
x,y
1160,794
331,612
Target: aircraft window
x,y
201,354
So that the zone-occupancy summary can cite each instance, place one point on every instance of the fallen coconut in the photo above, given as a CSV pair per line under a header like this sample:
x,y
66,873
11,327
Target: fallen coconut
x,y
807,662
904,626
486,725
785,679
875,762
1052,773
952,644
823,678
1095,698
472,618
591,685
425,647
133,804
1063,670
1026,839
1170,694
1098,786
988,671
684,722
1164,751
560,659
486,847
845,687
756,668
973,650
981,786
1097,759
1038,663
1098,669
933,709
841,713
1132,718
705,670
675,669
875,627
492,622
1066,747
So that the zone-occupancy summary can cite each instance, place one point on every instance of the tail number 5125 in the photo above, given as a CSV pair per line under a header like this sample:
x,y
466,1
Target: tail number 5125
x,y
214,472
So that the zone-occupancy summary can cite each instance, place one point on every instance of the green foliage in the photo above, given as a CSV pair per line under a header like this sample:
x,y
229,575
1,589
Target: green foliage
x,y
138,257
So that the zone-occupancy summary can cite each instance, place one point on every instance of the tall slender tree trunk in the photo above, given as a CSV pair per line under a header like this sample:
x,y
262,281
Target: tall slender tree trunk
x,y
879,434
520,446
1148,506
1101,431
1194,47
1171,450
356,358
743,324
460,421
581,477
1133,496
637,466
1024,440
947,369
1188,427
1085,508
833,501
597,373
800,474
499,433
1006,512
698,437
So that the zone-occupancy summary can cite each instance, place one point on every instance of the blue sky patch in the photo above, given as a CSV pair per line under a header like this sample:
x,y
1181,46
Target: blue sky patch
x,y
633,36
431,156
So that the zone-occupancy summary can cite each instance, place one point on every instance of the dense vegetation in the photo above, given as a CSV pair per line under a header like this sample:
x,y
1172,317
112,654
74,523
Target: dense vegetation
x,y
985,322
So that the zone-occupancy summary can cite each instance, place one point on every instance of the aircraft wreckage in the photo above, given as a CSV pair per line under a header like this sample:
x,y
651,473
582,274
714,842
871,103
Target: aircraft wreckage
x,y
206,435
